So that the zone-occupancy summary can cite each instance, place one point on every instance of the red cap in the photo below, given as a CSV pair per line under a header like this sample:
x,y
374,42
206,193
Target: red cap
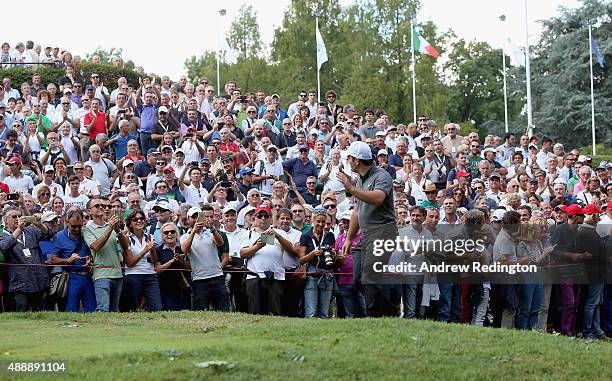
x,y
462,174
14,160
168,168
608,205
573,210
591,209
264,208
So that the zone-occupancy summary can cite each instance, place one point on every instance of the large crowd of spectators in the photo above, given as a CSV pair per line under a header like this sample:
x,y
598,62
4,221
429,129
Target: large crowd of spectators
x,y
159,195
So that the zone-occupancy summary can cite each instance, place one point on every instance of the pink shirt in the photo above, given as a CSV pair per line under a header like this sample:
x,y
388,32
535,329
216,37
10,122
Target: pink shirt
x,y
346,268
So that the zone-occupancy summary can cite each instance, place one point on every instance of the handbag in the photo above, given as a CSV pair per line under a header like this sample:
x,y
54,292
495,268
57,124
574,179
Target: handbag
x,y
58,289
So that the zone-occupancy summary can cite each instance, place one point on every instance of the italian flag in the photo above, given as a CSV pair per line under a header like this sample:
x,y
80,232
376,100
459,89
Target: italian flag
x,y
422,46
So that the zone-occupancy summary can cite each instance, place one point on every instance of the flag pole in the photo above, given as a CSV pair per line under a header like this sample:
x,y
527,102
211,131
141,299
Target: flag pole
x,y
318,74
592,93
414,110
528,74
503,18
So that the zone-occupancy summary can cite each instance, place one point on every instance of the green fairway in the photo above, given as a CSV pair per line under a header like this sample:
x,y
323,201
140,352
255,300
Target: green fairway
x,y
167,346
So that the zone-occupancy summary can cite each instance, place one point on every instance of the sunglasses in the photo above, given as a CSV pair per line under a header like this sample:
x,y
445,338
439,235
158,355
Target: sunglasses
x,y
78,169
330,206
66,103
94,77
169,232
102,206
139,219
76,227
262,216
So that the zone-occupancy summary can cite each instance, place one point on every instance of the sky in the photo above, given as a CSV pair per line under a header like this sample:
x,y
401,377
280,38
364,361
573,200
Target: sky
x,y
190,27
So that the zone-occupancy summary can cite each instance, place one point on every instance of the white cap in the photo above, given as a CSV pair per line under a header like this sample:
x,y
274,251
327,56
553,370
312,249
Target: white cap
x,y
313,131
381,133
497,215
346,215
271,146
193,210
162,109
558,180
49,168
127,162
360,150
48,216
382,152
229,207
166,146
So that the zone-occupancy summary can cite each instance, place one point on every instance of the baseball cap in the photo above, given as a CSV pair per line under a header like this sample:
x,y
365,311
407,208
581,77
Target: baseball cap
x,y
571,210
399,183
382,152
14,160
270,108
162,205
462,174
532,146
127,162
153,151
582,159
346,215
49,168
497,215
89,87
275,96
230,207
304,146
162,109
381,133
251,108
313,131
263,208
245,170
533,180
558,180
168,168
48,216
67,90
193,210
360,150
494,174
489,149
179,150
608,205
271,147
591,209
162,148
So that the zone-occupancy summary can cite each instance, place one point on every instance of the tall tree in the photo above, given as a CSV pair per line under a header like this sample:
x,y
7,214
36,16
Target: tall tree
x,y
561,75
244,37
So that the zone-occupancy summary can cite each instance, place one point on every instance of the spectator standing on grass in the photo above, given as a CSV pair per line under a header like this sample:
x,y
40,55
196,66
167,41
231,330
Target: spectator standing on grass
x,y
70,250
200,244
28,280
140,279
106,243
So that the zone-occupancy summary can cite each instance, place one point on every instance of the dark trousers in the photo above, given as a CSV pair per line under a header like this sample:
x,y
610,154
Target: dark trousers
x,y
173,301
210,293
138,286
382,299
34,301
292,300
265,296
237,291
449,308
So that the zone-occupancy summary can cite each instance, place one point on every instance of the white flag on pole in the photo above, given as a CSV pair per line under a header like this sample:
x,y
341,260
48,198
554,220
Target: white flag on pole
x,y
517,55
321,51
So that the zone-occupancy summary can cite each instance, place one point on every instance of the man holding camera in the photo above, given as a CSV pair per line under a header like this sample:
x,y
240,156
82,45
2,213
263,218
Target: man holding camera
x,y
200,244
28,280
194,193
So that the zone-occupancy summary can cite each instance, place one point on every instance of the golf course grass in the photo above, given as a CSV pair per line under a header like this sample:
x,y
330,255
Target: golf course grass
x,y
179,346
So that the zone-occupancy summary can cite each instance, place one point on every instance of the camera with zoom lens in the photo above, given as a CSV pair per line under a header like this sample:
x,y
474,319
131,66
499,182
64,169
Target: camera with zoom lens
x,y
328,255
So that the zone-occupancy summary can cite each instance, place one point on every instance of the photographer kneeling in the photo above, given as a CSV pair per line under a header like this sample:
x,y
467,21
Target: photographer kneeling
x,y
315,248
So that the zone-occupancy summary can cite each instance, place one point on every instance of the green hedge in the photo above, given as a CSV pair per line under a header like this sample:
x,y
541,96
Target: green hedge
x,y
108,75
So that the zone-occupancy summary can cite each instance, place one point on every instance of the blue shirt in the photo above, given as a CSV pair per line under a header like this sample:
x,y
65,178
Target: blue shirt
x,y
120,145
148,118
300,171
63,247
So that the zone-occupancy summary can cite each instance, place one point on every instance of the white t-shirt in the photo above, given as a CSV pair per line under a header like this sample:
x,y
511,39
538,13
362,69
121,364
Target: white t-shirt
x,y
195,196
191,152
58,189
70,149
86,184
143,266
290,261
268,258
203,255
80,201
23,184
237,240
275,169
102,171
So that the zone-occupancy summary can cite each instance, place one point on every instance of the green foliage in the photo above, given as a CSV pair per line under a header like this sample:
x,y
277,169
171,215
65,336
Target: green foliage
x,y
244,37
561,75
108,74
106,56
20,75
